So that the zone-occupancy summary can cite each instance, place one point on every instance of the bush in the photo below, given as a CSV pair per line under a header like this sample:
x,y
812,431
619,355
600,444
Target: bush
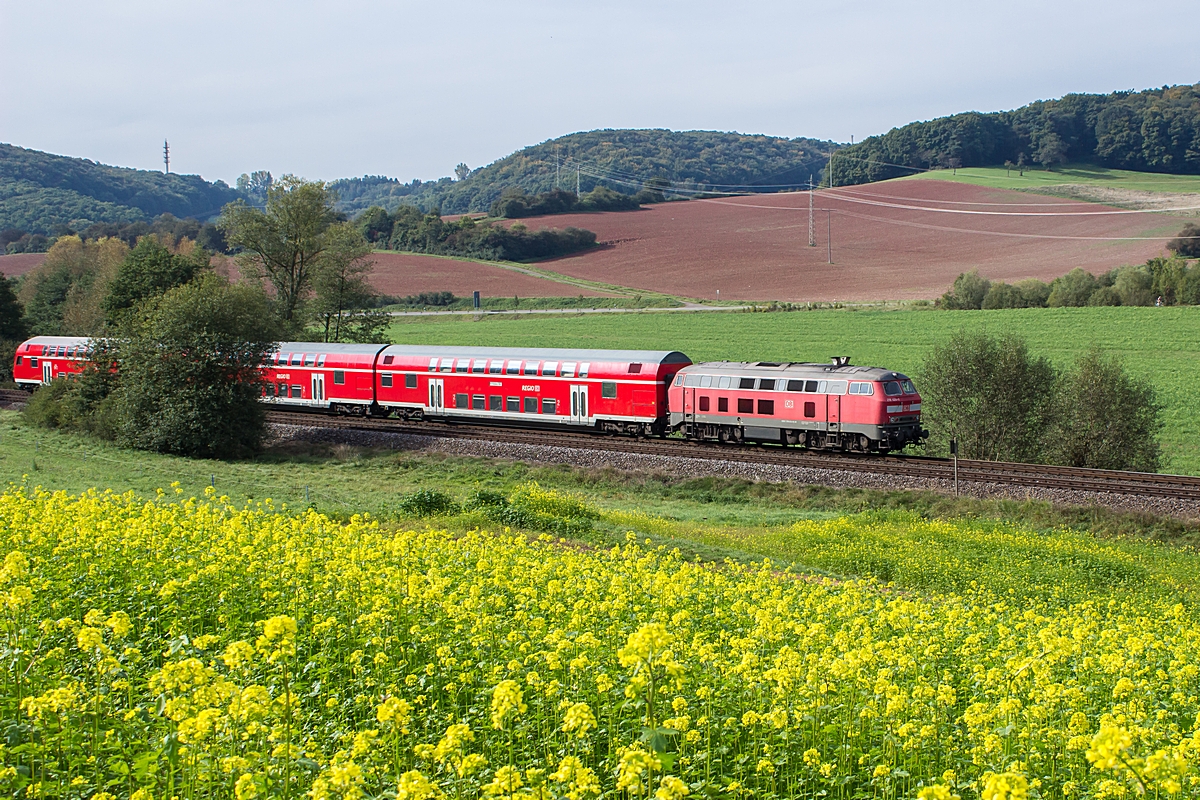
x,y
1034,293
1105,296
989,393
1188,242
1073,289
1135,286
428,503
1105,418
968,292
1002,295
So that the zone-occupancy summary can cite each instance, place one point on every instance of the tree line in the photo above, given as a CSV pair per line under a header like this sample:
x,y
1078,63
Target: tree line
x,y
515,203
1160,281
1157,130
414,231
1003,403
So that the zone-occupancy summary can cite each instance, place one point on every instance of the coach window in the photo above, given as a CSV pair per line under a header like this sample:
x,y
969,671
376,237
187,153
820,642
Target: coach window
x,y
547,405
583,369
339,376
321,360
704,404
723,404
433,362
447,365
497,367
795,386
514,368
477,402
480,365
385,379
746,383
32,361
297,358
283,390
690,380
724,382
495,403
464,365
609,388
810,409
460,400
19,360
568,369
706,381
745,405
892,388
549,369
766,407
410,380
389,359
766,383
297,391
634,369
530,405
531,368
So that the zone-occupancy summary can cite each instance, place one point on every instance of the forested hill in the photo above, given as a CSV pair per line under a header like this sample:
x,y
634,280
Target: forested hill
x,y
40,192
619,159
1157,130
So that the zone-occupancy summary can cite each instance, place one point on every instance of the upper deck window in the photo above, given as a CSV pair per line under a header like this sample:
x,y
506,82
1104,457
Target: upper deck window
x,y
497,367
479,366
568,370
583,369
447,365
297,358
310,359
321,360
433,362
531,368
514,368
463,365
549,369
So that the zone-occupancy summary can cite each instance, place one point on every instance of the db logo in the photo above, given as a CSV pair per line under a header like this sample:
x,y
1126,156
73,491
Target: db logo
x,y
789,403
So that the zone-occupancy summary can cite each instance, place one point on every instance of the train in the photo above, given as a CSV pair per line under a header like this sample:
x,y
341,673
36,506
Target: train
x,y
648,393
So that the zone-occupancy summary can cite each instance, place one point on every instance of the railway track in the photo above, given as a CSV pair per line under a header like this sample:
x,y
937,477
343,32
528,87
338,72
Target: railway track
x,y
1143,484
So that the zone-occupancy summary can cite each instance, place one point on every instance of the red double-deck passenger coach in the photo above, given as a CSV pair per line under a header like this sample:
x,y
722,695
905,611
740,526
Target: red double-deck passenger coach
x,y
44,358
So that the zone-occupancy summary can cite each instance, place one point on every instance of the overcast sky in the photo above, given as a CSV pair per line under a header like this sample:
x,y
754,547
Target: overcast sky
x,y
337,89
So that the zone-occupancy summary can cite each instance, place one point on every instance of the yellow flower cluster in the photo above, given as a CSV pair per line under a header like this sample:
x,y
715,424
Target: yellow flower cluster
x,y
196,650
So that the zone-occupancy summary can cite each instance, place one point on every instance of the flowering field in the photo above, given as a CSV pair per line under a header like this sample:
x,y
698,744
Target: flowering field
x,y
191,649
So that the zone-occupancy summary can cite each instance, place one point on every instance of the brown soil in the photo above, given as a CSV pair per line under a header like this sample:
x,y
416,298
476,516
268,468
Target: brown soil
x,y
16,265
400,274
756,248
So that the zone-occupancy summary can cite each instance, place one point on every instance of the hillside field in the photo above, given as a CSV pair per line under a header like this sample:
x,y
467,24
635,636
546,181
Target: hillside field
x,y
1037,178
1161,344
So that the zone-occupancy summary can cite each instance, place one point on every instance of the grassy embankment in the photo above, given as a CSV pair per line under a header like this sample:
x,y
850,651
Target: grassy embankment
x,y
1160,344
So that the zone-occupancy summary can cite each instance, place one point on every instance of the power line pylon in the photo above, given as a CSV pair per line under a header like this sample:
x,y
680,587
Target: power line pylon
x,y
167,156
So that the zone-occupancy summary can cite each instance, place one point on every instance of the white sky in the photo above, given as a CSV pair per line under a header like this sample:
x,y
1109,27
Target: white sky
x,y
338,89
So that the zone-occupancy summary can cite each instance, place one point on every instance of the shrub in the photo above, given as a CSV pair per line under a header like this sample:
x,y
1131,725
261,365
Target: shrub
x,y
1105,418
1135,286
1187,244
968,292
1002,295
1073,289
1105,296
1034,293
428,503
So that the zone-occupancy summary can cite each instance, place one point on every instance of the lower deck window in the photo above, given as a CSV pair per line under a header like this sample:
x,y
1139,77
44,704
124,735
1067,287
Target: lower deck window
x,y
385,379
608,389
282,390
745,405
339,377
32,361
547,405
410,380
477,402
297,390
19,360
704,404
530,405
495,402
511,404
460,401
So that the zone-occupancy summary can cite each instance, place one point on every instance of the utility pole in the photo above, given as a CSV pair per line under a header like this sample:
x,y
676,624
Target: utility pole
x,y
829,232
167,156
812,234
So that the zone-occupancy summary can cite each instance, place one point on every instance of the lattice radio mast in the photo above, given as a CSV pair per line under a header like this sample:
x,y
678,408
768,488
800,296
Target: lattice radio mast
x,y
812,234
167,156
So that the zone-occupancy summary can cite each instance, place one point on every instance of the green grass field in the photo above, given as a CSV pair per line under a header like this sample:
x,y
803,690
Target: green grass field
x,y
1000,178
1160,344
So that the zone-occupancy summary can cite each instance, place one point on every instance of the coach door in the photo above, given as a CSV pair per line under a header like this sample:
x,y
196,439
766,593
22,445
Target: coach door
x,y
47,372
318,389
833,412
437,400
579,405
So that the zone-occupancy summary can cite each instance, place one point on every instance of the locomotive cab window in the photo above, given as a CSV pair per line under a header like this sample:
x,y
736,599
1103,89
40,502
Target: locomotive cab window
x,y
679,380
892,388
410,380
909,388
339,376
609,388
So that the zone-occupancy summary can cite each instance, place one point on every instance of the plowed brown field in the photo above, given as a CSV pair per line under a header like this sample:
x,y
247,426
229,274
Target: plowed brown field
x,y
756,248
15,265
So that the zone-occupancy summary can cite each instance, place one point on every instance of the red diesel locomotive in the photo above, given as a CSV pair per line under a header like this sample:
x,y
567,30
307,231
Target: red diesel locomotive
x,y
634,392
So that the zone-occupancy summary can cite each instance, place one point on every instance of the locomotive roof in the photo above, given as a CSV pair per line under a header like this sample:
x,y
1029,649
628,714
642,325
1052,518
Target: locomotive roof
x,y
775,369
544,354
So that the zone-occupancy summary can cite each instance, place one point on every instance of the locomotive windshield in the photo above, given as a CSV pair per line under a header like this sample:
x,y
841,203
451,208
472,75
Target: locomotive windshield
x,y
908,387
897,388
